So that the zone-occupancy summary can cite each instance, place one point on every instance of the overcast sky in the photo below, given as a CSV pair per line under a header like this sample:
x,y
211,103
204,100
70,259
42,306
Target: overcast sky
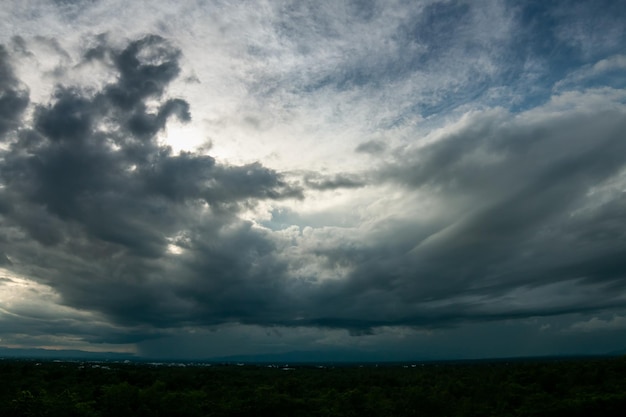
x,y
409,179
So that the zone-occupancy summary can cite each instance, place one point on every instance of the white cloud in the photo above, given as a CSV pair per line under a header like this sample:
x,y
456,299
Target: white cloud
x,y
592,72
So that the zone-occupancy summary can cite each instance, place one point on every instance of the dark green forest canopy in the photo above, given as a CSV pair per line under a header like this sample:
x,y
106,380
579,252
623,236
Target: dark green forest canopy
x,y
517,388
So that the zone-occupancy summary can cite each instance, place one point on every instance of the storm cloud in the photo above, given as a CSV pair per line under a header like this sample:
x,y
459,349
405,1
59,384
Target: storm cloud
x,y
123,225
381,176
13,96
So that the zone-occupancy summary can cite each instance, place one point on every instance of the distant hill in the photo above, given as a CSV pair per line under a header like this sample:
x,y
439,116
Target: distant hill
x,y
620,352
327,356
344,356
37,353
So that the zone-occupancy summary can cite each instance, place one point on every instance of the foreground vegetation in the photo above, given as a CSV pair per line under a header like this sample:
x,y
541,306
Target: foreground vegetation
x,y
521,388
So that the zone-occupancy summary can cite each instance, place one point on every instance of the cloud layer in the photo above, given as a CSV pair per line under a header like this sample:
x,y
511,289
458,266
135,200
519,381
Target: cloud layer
x,y
379,170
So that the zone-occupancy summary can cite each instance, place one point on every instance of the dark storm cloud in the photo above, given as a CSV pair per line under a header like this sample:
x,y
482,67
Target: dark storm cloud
x,y
521,226
145,69
92,205
13,96
89,190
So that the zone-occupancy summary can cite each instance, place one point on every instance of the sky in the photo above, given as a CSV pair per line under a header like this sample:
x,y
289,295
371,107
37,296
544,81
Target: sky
x,y
401,179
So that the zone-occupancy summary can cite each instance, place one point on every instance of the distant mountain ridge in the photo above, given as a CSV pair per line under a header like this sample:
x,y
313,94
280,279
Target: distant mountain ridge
x,y
344,356
327,356
39,353
620,352
292,357
363,357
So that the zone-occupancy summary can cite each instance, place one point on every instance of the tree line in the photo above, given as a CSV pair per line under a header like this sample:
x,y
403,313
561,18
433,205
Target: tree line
x,y
519,388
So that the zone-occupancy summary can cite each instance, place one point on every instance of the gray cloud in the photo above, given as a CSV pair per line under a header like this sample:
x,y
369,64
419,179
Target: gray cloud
x,y
13,96
91,190
116,212
372,147
448,166
319,182
521,221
